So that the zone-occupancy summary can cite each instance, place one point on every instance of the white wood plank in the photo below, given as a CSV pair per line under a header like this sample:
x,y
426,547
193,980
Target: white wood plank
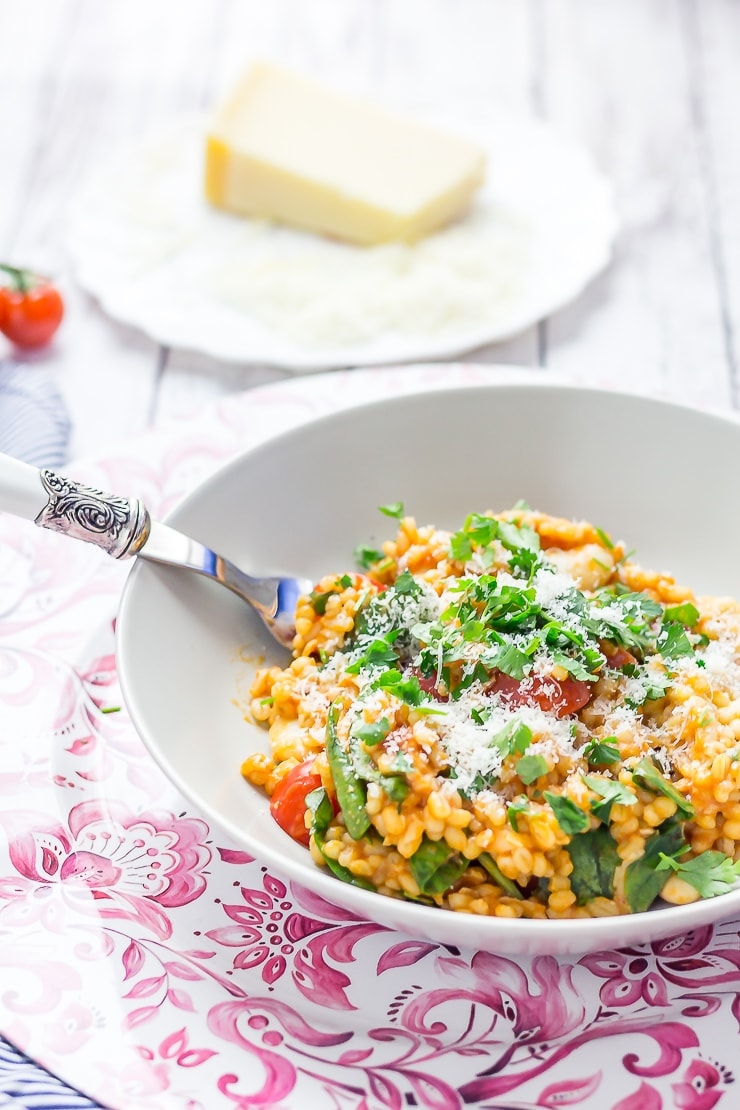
x,y
190,380
714,29
333,40
28,51
474,55
617,77
118,70
468,59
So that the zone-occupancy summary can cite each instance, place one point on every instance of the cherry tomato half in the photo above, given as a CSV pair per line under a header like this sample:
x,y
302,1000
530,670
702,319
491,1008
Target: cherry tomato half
x,y
31,309
429,686
288,801
559,696
617,657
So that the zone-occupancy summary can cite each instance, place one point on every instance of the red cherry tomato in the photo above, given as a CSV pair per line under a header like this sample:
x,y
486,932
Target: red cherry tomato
x,y
31,309
617,657
429,686
288,801
559,696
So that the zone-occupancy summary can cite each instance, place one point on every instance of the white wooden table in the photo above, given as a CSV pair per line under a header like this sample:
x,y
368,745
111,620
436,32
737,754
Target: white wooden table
x,y
649,87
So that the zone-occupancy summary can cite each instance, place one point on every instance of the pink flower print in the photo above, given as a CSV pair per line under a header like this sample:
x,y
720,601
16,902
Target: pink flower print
x,y
98,676
543,1006
266,929
509,1007
108,861
700,1087
135,1079
702,958
272,934
630,977
644,1098
69,1029
87,867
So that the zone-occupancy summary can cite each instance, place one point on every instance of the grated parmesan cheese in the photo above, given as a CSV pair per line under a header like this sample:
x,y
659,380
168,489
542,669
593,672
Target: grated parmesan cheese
x,y
321,292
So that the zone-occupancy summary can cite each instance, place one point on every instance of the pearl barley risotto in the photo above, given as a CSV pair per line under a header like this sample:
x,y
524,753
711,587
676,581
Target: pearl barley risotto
x,y
514,719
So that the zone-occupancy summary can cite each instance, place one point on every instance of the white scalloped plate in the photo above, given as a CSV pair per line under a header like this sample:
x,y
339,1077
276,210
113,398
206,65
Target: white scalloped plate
x,y
145,243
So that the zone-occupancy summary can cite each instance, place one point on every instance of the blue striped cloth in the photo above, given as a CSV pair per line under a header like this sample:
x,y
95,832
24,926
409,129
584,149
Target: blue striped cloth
x,y
26,1086
34,425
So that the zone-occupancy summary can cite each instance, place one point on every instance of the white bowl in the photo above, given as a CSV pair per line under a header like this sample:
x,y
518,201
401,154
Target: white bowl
x,y
663,477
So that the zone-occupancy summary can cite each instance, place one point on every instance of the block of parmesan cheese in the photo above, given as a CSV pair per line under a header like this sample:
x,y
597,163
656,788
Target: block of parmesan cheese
x,y
289,149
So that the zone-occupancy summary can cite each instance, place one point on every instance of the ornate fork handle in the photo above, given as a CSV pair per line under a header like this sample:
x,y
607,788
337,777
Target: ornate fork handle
x,y
119,525
122,527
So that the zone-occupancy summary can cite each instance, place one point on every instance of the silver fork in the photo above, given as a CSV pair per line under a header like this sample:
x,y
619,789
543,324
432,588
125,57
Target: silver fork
x,y
123,528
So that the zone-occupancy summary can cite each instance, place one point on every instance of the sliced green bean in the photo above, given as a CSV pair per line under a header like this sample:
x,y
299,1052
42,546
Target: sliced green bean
x,y
350,790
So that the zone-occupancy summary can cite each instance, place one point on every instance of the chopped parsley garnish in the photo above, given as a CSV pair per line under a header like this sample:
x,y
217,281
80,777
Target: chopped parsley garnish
x,y
480,531
479,783
379,653
407,584
600,753
647,775
478,673
584,672
685,614
611,793
531,767
405,689
649,685
374,733
319,600
568,815
366,557
710,873
515,537
394,510
672,642
401,765
606,541
460,547
519,805
513,739
624,617
512,660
